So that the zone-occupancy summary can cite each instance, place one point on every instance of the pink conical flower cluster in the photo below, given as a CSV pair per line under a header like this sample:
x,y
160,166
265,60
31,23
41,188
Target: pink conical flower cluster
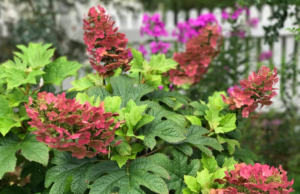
x,y
104,43
67,125
200,50
257,89
255,179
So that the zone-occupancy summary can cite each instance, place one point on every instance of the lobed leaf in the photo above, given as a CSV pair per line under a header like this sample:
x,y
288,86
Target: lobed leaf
x,y
30,148
142,171
67,166
177,169
59,70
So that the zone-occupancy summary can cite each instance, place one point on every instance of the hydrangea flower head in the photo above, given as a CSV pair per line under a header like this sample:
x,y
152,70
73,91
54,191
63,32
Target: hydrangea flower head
x,y
256,179
257,89
193,63
67,125
153,26
104,43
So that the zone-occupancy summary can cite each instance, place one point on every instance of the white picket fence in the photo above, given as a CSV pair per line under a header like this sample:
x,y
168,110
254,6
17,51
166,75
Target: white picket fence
x,y
130,23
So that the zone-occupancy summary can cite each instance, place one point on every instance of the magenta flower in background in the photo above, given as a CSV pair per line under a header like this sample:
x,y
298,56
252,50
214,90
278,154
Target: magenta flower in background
x,y
130,54
153,26
159,47
240,34
253,22
203,20
237,12
161,87
225,14
143,50
265,55
190,29
230,90
184,32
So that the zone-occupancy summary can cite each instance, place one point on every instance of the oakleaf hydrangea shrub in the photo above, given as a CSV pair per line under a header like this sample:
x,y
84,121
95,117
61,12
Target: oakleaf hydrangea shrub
x,y
229,177
120,129
257,89
104,43
67,125
200,50
255,179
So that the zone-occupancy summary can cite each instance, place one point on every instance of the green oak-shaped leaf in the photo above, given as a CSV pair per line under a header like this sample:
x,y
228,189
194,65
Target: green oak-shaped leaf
x,y
124,86
5,108
112,103
194,120
16,77
227,124
83,97
2,74
200,108
137,61
67,166
167,130
177,168
121,160
81,84
230,142
167,97
36,55
209,163
123,148
6,123
16,64
160,64
229,164
30,148
216,101
213,118
98,91
203,178
196,138
192,184
133,115
16,97
60,69
142,171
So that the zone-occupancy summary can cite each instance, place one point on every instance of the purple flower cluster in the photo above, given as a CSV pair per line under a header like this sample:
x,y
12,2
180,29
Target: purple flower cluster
x,y
153,26
253,22
265,55
190,29
237,12
240,33
143,50
159,47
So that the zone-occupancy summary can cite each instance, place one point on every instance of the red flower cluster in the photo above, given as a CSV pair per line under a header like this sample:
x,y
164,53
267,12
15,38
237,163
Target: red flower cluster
x,y
255,179
200,50
104,43
258,88
67,125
